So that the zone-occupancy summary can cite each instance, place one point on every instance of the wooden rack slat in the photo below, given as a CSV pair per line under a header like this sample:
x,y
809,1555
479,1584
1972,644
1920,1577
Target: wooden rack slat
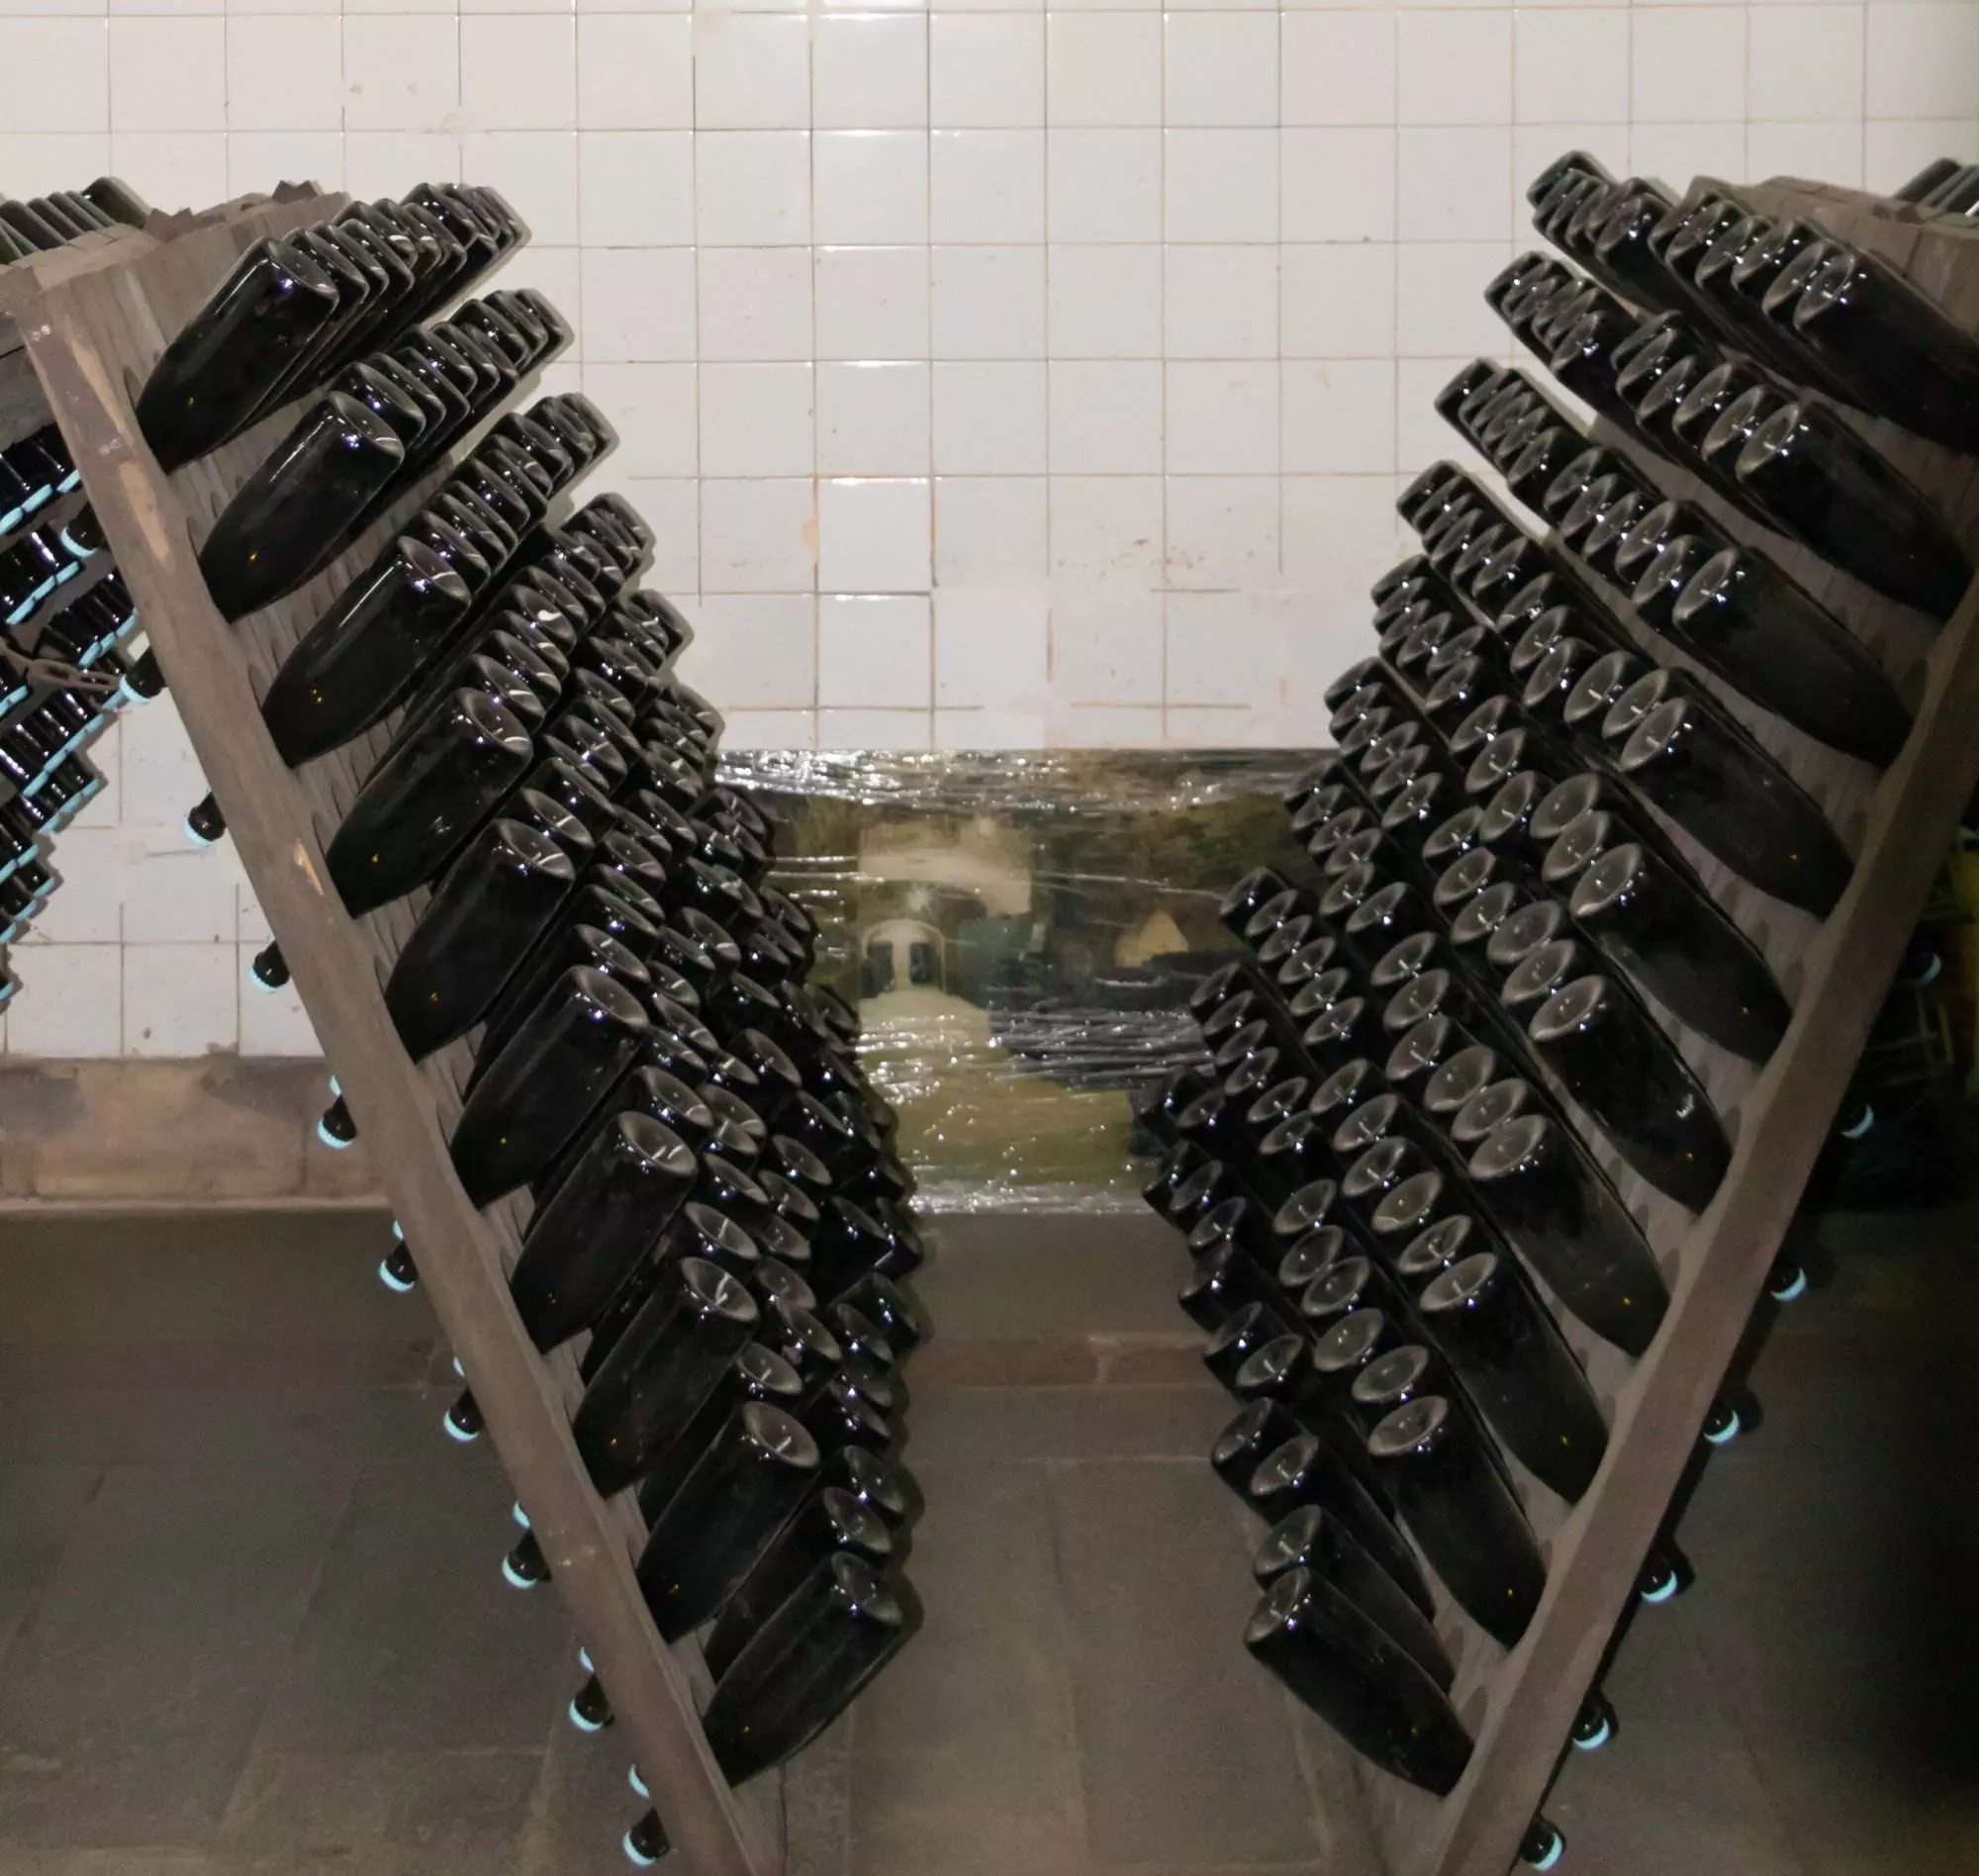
x,y
93,319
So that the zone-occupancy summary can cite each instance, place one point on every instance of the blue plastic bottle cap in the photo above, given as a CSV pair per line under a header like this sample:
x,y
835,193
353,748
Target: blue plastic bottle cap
x,y
1662,1590
330,1140
1595,1741
335,1088
634,1854
516,1579
637,1783
458,1370
1552,1852
521,1515
584,1660
1725,1434
398,1231
393,1281
455,1432
1793,1291
193,834
578,1719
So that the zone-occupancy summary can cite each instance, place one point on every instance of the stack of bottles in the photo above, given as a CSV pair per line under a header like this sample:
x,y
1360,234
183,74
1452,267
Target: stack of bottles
x,y
65,625
1499,955
716,1222
62,216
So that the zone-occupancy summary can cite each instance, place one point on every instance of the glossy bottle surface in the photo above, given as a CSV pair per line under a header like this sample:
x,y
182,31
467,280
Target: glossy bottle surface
x,y
539,1090
580,1245
1723,790
806,1665
1349,1671
486,910
1305,1470
1310,1539
1518,1368
829,1521
726,1515
362,656
1621,1068
1460,1510
426,797
1741,617
219,368
1808,470
1662,930
289,518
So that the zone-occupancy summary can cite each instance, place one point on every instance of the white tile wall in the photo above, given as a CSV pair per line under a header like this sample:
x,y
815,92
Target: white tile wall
x,y
995,372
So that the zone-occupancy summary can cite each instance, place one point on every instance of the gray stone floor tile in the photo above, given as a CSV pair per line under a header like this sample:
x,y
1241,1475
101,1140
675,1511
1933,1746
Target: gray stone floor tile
x,y
1007,1278
992,1424
436,1811
967,1739
38,1509
130,1698
1183,1750
413,1641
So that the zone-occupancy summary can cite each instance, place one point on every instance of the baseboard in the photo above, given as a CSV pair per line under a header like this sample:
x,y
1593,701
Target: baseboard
x,y
217,1131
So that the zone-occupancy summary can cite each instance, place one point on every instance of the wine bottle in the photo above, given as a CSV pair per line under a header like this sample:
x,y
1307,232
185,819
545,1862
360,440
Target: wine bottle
x,y
361,657
1303,1470
1619,1066
486,911
218,370
292,514
1742,619
830,1521
1692,761
807,1664
1663,929
1519,1370
1460,1510
726,1515
1807,471
424,798
539,1091
658,1372
757,1374
1898,354
585,1240
1364,1684
1311,1539
1552,1202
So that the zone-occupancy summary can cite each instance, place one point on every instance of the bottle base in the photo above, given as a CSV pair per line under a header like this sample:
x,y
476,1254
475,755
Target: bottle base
x,y
1722,1429
1543,1847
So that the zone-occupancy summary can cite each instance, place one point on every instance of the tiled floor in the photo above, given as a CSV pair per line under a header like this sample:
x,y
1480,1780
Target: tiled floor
x,y
251,1621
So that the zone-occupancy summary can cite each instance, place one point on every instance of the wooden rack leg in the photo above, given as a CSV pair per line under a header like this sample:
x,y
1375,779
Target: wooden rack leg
x,y
335,965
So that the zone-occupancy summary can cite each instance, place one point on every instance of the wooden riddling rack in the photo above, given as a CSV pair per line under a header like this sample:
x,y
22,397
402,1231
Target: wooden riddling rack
x,y
1520,1706
93,319
24,409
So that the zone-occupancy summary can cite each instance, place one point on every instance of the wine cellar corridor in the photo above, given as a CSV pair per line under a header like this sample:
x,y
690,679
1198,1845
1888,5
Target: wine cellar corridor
x,y
1294,1194
282,1584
